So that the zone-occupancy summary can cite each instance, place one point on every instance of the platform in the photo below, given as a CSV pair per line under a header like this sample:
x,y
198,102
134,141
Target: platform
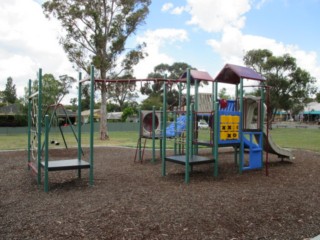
x,y
193,160
210,144
68,164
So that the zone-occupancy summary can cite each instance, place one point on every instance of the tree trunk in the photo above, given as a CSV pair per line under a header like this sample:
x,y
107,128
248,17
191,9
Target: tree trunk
x,y
103,111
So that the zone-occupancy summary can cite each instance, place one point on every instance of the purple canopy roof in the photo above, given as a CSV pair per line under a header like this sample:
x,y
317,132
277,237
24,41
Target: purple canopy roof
x,y
197,75
232,74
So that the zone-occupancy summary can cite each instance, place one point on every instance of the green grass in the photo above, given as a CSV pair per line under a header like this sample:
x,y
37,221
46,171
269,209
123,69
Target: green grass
x,y
285,137
297,138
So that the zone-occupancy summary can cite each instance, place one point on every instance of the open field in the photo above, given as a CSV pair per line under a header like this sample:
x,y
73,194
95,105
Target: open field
x,y
295,138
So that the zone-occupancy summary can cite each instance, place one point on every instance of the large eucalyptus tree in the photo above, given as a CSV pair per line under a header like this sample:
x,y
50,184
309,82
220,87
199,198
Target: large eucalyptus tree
x,y
96,32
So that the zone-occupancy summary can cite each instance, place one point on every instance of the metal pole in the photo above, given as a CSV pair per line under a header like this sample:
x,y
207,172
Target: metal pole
x,y
241,127
46,156
29,124
215,129
140,135
262,118
39,116
153,134
91,122
187,167
180,95
164,128
79,122
196,108
175,130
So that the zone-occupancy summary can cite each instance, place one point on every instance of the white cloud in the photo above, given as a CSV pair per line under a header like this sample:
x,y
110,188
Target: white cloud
x,y
260,3
166,7
214,16
178,10
233,45
155,41
28,41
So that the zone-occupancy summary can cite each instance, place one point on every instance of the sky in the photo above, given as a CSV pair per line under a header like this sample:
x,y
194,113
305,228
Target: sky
x,y
206,34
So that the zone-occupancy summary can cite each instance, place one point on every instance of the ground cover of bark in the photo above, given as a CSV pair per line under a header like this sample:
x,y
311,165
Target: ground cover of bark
x,y
133,201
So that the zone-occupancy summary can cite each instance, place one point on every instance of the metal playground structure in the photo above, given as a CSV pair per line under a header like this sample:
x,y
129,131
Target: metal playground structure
x,y
39,126
239,124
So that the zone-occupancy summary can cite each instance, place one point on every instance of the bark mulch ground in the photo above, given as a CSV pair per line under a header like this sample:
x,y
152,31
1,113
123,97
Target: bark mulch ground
x,y
133,201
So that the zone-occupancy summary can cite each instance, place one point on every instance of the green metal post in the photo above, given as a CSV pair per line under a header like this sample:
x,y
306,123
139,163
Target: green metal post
x,y
187,166
236,148
196,108
216,129
262,116
191,125
175,130
180,95
164,125
39,116
79,122
46,155
153,134
140,135
91,122
216,139
161,127
29,124
241,154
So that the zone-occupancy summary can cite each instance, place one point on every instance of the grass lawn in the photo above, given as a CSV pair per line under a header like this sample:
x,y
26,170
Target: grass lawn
x,y
284,137
297,138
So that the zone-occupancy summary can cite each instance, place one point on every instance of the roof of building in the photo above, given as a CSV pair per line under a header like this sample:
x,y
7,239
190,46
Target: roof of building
x,y
12,109
110,115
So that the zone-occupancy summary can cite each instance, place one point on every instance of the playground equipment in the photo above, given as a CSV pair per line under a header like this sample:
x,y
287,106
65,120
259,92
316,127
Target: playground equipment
x,y
38,150
151,124
230,124
57,112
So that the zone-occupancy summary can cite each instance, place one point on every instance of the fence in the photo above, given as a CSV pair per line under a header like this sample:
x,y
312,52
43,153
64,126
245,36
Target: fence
x,y
112,127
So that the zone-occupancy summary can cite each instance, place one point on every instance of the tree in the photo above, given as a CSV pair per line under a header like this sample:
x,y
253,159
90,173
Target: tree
x,y
318,97
10,92
290,86
223,94
127,112
53,90
122,92
96,33
154,90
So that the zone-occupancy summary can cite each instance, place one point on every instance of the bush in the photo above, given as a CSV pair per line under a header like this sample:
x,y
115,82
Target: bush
x,y
13,121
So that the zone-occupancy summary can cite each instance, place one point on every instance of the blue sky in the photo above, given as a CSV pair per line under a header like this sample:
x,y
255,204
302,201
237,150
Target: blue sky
x,y
204,33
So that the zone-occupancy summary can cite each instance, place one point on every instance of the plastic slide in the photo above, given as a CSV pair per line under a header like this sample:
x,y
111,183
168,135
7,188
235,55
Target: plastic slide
x,y
269,145
181,127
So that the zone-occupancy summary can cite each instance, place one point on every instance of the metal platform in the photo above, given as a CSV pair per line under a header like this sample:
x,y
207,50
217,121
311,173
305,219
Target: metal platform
x,y
210,144
193,160
68,164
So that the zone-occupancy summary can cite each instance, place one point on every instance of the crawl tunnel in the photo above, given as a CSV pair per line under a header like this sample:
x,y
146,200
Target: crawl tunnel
x,y
147,122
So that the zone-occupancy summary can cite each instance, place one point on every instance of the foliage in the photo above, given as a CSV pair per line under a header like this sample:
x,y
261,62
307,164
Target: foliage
x,y
10,92
161,71
13,121
152,100
318,97
127,112
85,98
223,94
53,90
290,86
96,33
122,92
